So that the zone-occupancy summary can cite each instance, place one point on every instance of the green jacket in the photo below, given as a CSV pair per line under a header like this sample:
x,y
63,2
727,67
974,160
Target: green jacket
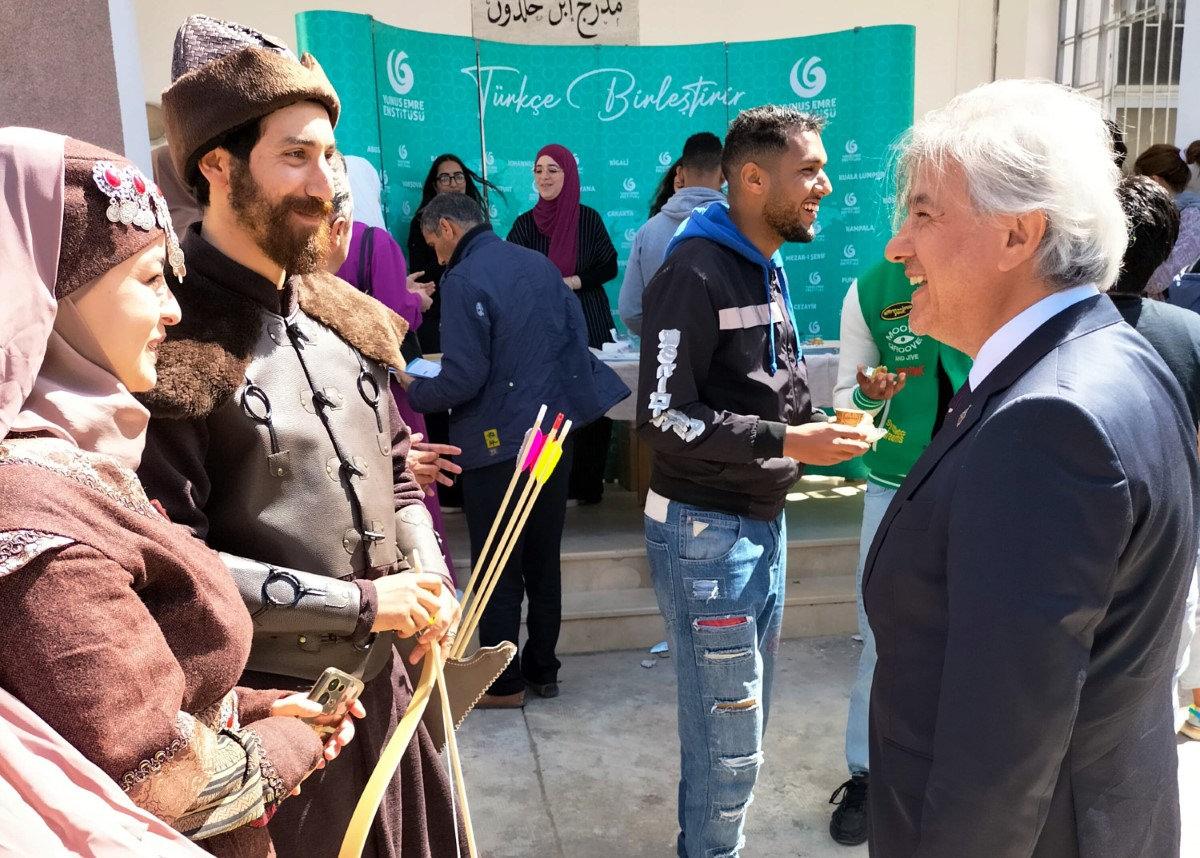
x,y
875,332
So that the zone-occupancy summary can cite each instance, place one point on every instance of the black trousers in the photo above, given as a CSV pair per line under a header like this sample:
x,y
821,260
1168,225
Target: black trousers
x,y
591,460
533,569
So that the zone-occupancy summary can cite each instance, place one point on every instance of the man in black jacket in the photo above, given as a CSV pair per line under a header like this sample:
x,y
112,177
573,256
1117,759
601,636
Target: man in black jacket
x,y
723,403
1175,334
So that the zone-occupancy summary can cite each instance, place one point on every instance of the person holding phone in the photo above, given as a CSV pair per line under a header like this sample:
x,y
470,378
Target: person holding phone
x,y
120,630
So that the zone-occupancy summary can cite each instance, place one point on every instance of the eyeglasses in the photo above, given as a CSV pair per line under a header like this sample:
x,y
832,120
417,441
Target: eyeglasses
x,y
451,178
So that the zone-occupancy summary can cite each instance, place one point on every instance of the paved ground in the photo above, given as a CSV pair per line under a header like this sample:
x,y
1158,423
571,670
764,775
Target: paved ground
x,y
593,773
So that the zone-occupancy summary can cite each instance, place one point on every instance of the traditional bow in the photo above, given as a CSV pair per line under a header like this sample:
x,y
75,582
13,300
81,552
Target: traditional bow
x,y
539,456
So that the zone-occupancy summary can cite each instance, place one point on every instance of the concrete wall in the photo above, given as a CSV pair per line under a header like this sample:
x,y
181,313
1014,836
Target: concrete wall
x,y
955,38
70,91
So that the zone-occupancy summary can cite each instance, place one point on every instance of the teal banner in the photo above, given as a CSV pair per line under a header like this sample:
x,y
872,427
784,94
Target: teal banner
x,y
624,112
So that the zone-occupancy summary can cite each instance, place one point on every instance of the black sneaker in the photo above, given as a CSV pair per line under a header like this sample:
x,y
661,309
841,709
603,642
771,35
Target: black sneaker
x,y
547,689
850,824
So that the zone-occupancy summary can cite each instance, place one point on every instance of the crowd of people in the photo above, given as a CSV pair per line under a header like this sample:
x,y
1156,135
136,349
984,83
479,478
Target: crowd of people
x,y
220,467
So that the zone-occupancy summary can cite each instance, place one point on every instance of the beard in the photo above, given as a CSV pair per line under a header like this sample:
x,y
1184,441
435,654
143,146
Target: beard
x,y
298,249
787,219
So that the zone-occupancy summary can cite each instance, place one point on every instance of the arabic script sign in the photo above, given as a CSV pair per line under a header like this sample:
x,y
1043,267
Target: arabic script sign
x,y
557,22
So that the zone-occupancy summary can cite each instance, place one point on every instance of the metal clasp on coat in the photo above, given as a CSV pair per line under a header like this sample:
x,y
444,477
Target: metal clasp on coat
x,y
257,406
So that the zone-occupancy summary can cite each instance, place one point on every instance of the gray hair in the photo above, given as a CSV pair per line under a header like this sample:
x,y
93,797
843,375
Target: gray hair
x,y
1027,146
459,208
343,202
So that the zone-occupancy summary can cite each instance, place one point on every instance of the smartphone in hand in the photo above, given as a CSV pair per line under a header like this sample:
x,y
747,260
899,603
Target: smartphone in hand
x,y
335,690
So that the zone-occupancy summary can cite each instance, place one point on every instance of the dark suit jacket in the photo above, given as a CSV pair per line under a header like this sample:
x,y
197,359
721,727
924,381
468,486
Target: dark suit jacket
x,y
1026,588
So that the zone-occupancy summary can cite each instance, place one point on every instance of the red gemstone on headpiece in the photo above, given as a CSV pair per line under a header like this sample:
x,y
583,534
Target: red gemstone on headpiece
x,y
139,184
110,176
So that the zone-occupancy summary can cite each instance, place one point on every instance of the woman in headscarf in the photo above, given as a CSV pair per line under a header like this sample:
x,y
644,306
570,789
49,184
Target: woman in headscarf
x,y
118,628
573,236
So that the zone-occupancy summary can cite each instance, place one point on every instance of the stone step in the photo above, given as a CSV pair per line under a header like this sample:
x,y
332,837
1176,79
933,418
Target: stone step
x,y
629,619
628,569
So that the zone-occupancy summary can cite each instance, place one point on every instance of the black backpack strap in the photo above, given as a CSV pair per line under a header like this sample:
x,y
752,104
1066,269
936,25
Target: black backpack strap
x,y
365,255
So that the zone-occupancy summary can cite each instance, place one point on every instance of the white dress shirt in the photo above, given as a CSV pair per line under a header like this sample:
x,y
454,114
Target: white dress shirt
x,y
1018,329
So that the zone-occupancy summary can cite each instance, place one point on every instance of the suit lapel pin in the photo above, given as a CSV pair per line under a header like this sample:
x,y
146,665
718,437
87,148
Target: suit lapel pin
x,y
963,416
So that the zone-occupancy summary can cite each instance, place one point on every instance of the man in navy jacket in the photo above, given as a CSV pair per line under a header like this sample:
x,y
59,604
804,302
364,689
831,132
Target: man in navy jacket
x,y
514,339
1026,584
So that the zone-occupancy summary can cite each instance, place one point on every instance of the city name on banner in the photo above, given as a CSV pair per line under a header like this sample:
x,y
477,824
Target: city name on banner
x,y
556,22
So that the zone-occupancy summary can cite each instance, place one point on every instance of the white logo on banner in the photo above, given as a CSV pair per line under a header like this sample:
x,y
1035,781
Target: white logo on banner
x,y
630,235
664,158
491,159
407,207
577,161
400,73
493,211
817,229
814,328
403,152
851,199
851,146
849,252
809,83
815,278
629,185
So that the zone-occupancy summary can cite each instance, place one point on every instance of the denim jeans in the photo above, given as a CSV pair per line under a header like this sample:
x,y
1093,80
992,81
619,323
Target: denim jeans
x,y
875,504
719,579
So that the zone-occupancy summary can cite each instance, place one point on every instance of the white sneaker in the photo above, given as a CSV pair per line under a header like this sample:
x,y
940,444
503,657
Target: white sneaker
x,y
1191,725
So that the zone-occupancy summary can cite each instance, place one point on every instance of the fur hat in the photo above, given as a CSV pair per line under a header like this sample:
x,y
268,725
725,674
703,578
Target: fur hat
x,y
225,75
110,212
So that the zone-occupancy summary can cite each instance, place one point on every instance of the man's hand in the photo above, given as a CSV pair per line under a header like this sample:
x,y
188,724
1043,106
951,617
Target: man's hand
x,y
442,631
881,385
406,602
574,283
824,443
426,461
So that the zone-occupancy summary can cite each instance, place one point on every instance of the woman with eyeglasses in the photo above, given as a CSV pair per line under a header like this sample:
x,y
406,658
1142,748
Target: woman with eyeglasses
x,y
574,237
447,174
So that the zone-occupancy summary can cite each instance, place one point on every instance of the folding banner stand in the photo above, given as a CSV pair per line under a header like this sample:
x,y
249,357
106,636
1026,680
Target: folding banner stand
x,y
409,96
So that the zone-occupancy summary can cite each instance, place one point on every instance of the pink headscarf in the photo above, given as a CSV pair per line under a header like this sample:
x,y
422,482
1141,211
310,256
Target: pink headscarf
x,y
54,801
558,219
46,382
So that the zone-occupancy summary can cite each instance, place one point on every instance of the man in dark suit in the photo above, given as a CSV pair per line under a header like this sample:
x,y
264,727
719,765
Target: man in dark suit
x,y
1026,584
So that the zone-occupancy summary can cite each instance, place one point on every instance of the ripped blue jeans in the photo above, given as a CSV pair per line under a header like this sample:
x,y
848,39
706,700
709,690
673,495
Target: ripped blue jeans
x,y
719,579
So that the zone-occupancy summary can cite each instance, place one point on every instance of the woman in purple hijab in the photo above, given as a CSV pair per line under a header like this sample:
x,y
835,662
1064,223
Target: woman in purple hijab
x,y
573,236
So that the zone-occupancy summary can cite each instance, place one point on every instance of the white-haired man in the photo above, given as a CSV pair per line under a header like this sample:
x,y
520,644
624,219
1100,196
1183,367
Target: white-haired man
x,y
1027,581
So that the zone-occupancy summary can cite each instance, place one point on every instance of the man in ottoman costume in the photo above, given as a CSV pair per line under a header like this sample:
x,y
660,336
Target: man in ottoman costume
x,y
274,435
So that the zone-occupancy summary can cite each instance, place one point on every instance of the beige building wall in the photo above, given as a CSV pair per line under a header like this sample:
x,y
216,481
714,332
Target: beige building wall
x,y
68,92
956,39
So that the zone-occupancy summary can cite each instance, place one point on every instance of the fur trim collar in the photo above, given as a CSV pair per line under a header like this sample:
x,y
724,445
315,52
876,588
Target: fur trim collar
x,y
204,359
359,319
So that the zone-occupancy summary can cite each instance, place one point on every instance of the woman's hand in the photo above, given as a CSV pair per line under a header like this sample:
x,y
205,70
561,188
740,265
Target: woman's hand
x,y
573,282
299,706
423,289
425,460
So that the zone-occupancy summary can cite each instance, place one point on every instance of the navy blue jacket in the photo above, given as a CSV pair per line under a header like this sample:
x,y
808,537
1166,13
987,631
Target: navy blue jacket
x,y
1025,588
513,339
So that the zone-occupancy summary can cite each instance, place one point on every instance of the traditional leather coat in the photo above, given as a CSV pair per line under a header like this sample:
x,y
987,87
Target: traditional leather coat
x,y
275,438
